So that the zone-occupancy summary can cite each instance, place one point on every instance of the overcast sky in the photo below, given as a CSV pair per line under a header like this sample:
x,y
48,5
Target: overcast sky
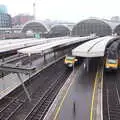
x,y
66,10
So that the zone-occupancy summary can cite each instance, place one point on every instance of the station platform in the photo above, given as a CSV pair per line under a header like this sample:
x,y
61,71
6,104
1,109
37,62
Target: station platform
x,y
76,103
11,81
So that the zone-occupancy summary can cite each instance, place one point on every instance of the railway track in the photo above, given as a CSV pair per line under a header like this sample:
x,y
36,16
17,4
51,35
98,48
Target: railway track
x,y
39,110
111,96
42,85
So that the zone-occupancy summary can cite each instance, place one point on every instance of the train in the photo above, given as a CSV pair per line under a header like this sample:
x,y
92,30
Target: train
x,y
70,61
112,58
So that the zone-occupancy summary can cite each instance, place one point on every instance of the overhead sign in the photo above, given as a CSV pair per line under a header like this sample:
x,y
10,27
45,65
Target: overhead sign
x,y
37,35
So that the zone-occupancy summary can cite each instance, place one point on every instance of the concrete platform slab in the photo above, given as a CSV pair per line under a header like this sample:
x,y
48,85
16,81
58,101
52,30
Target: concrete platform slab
x,y
77,99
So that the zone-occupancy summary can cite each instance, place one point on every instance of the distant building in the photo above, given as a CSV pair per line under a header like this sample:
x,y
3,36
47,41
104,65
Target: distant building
x,y
21,19
115,19
3,9
5,18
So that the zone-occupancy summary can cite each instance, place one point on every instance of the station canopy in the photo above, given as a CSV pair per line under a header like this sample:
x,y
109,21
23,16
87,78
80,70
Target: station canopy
x,y
49,47
9,45
35,27
91,26
93,48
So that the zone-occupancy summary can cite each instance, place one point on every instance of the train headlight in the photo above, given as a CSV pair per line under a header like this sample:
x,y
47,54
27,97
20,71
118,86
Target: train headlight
x,y
70,65
76,60
107,67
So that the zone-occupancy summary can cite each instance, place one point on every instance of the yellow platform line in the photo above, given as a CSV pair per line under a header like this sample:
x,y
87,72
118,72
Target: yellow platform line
x,y
93,96
60,106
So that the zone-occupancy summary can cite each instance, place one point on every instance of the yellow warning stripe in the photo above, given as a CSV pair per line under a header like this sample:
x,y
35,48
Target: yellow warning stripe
x,y
60,106
93,96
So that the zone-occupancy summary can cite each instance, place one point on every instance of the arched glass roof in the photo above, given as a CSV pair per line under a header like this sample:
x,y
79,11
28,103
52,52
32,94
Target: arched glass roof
x,y
35,26
117,29
62,29
91,26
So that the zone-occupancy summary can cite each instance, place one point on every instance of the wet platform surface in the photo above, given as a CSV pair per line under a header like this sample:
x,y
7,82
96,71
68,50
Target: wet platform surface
x,y
77,104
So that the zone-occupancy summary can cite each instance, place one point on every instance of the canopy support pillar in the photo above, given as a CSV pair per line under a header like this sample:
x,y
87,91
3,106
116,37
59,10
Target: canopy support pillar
x,y
87,64
3,60
54,54
44,57
23,85
30,59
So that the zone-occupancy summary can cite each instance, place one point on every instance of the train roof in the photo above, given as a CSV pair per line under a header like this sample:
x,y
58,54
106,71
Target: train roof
x,y
114,46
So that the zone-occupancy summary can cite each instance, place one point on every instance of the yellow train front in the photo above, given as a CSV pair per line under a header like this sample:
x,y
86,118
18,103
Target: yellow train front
x,y
69,61
112,57
111,64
